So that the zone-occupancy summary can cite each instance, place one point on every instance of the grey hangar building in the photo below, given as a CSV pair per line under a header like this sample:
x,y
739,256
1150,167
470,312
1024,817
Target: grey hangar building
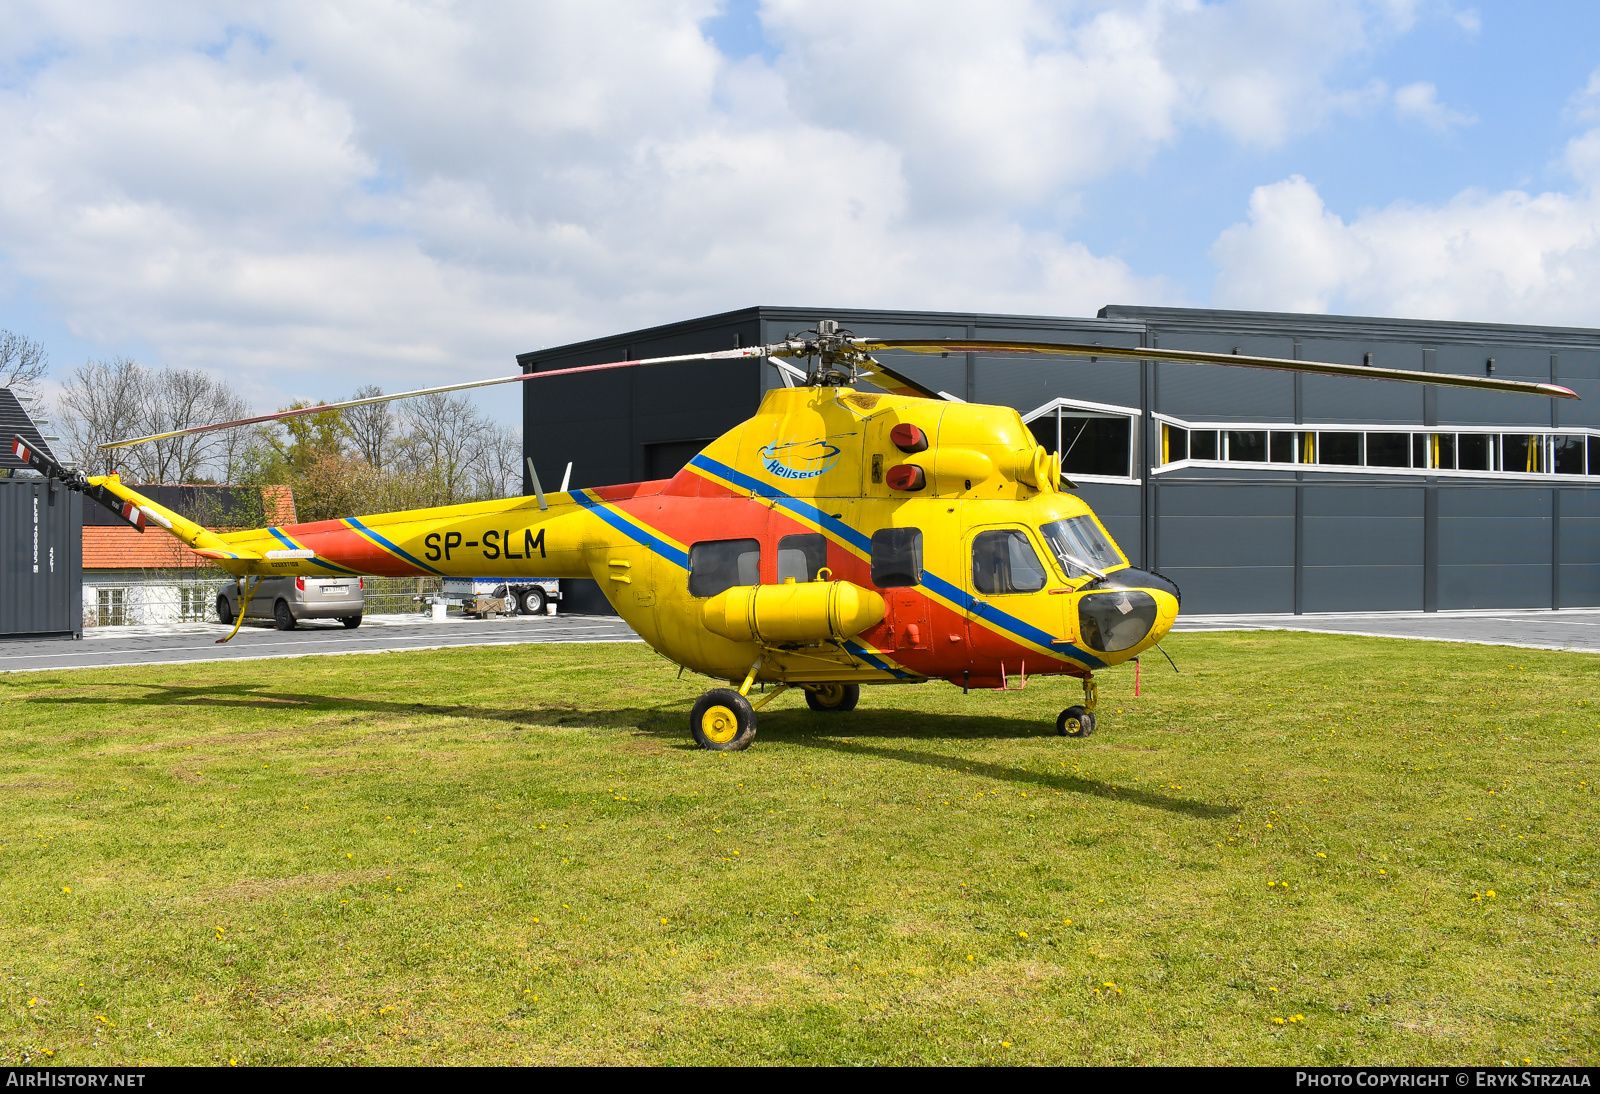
x,y
1254,491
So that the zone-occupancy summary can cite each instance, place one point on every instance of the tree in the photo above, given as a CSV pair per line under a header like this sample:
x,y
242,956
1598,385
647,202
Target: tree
x,y
103,401
498,469
371,428
175,399
119,398
441,444
23,363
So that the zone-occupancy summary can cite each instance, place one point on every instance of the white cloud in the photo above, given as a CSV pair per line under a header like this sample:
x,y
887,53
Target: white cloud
x,y
312,195
1585,105
1419,102
1493,257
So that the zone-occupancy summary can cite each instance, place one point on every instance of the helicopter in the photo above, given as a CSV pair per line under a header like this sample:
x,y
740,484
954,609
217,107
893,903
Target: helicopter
x,y
841,537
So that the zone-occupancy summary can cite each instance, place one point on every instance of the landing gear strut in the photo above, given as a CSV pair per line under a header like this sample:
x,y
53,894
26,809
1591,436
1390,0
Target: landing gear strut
x,y
1078,721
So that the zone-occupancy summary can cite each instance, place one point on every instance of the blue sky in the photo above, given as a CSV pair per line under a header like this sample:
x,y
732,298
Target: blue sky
x,y
306,198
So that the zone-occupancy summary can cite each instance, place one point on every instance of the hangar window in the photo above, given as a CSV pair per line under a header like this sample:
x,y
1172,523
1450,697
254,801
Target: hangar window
x,y
1095,440
801,556
1477,452
1567,455
720,564
896,557
1005,562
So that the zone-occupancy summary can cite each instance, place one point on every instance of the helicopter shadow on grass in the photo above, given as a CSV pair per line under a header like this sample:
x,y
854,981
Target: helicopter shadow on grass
x,y
259,697
844,734
836,733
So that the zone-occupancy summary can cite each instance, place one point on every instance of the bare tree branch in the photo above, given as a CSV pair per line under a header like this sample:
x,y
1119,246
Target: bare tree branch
x,y
23,363
372,428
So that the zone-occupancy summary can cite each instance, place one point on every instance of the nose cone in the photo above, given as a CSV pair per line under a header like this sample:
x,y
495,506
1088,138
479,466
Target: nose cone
x,y
1126,613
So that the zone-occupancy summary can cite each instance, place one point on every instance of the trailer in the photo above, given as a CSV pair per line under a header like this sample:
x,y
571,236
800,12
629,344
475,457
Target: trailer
x,y
488,596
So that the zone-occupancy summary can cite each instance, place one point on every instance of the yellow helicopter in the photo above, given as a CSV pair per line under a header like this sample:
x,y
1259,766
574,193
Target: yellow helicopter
x,y
839,537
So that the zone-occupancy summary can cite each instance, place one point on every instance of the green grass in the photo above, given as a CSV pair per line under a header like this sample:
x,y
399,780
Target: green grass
x,y
512,853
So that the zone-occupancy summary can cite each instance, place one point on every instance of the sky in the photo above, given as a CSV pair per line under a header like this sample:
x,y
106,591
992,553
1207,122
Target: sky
x,y
306,197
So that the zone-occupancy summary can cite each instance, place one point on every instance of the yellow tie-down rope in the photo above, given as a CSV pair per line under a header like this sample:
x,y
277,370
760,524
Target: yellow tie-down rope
x,y
244,602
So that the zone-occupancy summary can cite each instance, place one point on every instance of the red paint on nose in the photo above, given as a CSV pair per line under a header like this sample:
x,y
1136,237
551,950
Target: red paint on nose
x,y
908,438
906,476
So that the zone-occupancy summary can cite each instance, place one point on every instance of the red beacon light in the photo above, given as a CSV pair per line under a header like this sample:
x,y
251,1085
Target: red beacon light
x,y
906,476
908,438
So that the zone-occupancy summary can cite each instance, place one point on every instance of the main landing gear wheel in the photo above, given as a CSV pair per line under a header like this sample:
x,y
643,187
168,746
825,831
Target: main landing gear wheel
x,y
1075,722
833,698
723,721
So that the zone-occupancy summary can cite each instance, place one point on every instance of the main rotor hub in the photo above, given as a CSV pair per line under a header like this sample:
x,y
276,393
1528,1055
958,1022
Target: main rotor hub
x,y
834,356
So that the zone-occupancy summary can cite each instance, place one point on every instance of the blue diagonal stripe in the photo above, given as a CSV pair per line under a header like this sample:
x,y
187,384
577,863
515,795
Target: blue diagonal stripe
x,y
632,531
387,546
875,661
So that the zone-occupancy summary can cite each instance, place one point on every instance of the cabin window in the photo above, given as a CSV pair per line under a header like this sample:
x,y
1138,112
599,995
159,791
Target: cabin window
x,y
720,564
801,556
1005,562
896,557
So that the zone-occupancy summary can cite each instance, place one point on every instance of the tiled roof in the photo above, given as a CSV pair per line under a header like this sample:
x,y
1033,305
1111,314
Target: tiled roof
x,y
120,547
123,548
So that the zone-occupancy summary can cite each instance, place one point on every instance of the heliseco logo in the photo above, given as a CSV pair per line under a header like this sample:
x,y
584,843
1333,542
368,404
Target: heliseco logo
x,y
800,459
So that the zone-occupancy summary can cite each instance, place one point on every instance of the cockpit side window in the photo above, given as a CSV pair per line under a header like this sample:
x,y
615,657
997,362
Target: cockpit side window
x,y
1080,546
1003,561
896,557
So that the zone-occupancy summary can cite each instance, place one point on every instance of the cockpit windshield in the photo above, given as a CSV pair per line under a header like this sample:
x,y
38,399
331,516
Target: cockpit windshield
x,y
1080,546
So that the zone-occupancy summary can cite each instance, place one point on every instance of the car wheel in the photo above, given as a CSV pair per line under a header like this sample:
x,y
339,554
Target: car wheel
x,y
351,622
224,611
533,602
283,616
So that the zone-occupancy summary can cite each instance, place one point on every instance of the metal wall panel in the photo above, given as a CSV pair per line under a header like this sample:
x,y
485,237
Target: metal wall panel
x,y
1495,548
1580,548
1230,548
1362,549
1336,399
41,559
1462,407
1214,393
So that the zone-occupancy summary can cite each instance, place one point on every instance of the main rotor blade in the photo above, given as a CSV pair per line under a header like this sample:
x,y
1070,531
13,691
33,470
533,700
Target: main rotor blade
x,y
1196,357
726,354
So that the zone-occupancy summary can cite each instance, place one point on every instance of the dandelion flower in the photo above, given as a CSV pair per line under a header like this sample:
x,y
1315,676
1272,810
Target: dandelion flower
x,y
663,921
1491,894
1277,1021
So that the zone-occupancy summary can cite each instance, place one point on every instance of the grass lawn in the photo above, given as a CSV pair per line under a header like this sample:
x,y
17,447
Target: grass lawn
x,y
1303,849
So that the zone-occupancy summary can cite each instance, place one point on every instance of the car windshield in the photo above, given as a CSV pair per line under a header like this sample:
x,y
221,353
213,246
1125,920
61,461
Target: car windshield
x,y
1080,546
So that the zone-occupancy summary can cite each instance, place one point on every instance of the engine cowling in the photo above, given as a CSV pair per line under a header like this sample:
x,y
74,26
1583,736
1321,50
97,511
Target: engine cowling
x,y
793,612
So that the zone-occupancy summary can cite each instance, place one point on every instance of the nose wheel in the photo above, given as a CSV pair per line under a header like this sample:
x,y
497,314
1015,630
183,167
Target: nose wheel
x,y
1075,722
1078,721
723,721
